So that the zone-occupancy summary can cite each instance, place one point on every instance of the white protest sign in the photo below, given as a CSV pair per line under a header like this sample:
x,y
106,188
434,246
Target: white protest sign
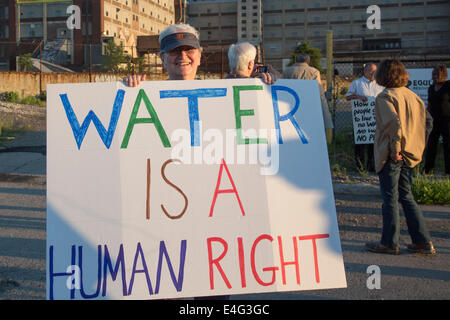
x,y
188,188
364,123
420,80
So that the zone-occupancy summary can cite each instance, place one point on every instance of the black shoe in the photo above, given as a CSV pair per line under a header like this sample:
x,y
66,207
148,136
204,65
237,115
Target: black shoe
x,y
426,248
379,248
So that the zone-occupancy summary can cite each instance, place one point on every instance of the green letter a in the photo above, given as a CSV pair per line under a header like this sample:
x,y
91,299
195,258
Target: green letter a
x,y
153,119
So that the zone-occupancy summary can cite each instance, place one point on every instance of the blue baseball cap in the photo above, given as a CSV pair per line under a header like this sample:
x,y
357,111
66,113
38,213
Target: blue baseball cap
x,y
175,40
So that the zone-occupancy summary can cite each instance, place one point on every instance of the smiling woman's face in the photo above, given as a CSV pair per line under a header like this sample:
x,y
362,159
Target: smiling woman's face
x,y
182,62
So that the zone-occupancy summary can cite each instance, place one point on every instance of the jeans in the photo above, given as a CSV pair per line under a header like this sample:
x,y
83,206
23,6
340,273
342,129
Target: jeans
x,y
395,186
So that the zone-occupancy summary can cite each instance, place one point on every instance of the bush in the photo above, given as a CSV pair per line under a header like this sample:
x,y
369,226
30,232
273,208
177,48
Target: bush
x,y
43,96
12,96
427,190
30,100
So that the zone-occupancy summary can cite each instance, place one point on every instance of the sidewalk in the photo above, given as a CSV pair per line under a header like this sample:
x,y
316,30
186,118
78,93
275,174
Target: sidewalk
x,y
25,155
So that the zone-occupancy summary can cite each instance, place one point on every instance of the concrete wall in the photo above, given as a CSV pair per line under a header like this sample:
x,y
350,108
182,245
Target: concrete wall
x,y
28,83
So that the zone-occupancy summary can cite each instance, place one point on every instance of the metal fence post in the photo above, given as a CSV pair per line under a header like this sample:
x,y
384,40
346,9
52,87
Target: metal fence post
x,y
40,68
330,72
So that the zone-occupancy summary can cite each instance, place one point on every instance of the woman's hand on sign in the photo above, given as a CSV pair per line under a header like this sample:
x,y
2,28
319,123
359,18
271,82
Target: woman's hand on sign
x,y
134,80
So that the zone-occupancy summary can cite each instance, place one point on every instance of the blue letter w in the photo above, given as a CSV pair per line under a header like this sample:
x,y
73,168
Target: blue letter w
x,y
80,131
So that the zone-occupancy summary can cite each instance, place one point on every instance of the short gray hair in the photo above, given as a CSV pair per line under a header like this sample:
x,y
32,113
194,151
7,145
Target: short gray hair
x,y
240,54
302,57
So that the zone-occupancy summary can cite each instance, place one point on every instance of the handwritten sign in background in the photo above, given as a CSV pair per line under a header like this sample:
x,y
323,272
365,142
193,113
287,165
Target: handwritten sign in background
x,y
127,221
364,122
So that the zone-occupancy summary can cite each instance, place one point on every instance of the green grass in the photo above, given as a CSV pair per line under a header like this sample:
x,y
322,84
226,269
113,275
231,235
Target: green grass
x,y
12,96
341,154
431,190
32,100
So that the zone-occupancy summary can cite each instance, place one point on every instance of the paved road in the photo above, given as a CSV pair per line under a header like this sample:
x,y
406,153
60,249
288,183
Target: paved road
x,y
22,239
403,277
408,276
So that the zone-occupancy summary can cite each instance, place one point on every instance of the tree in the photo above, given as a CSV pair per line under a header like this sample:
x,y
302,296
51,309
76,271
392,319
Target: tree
x,y
114,57
25,62
314,53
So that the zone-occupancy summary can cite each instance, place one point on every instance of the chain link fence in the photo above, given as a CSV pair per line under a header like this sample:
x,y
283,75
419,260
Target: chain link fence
x,y
342,147
345,73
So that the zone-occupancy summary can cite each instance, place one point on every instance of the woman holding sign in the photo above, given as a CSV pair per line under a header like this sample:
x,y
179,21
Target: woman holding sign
x,y
181,53
399,143
439,108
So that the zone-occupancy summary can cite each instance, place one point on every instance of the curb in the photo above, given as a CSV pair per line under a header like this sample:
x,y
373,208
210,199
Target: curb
x,y
23,178
357,188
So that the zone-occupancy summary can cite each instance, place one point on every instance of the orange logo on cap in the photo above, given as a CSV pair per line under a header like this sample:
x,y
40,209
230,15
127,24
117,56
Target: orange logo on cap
x,y
180,36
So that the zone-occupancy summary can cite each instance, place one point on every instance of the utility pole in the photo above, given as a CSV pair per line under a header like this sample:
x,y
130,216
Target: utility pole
x,y
40,68
90,61
329,60
44,20
330,73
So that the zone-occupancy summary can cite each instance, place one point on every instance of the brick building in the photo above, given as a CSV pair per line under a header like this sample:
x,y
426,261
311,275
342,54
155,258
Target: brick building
x,y
25,22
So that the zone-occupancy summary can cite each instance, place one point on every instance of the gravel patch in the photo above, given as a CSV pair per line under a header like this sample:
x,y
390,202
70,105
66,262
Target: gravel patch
x,y
23,116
